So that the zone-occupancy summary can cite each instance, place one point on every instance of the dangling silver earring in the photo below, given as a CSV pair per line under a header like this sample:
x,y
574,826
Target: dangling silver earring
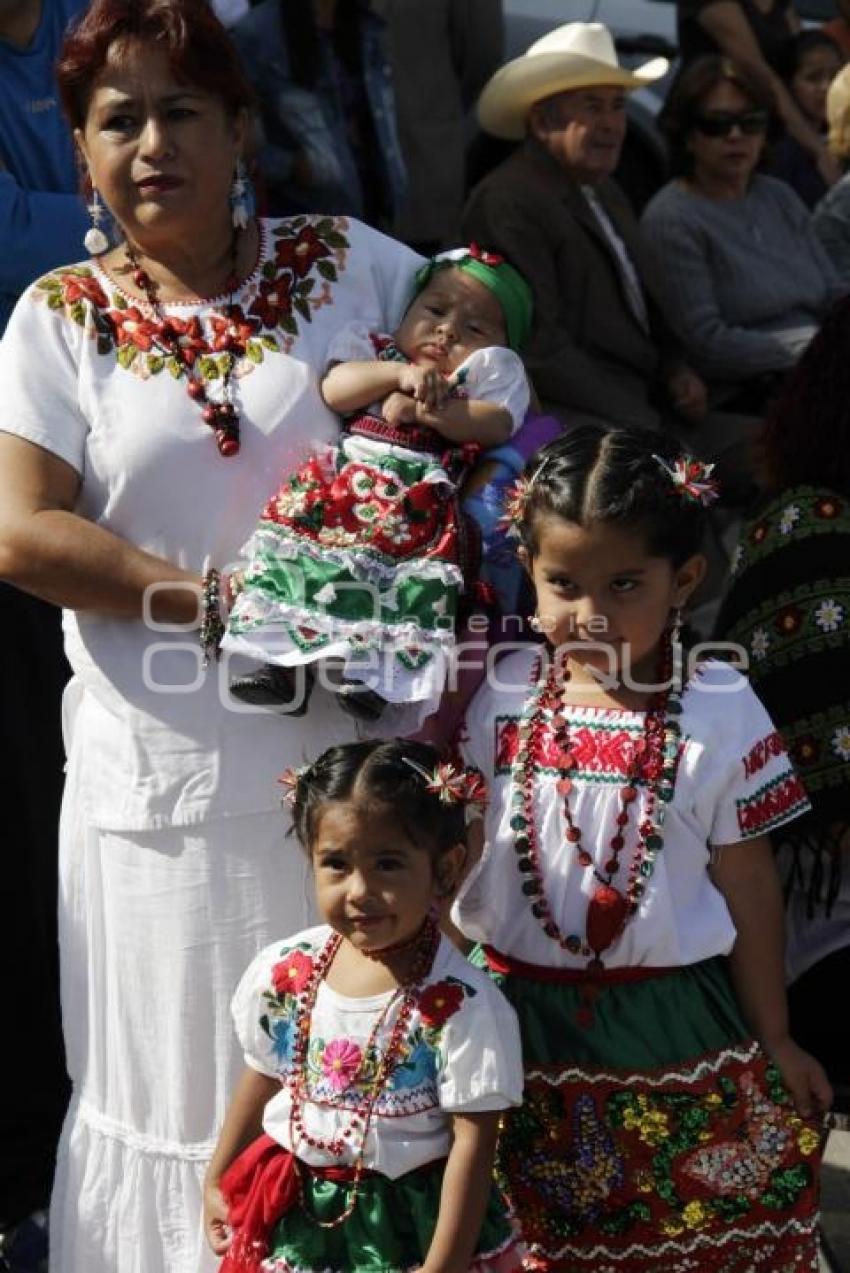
x,y
676,652
676,627
95,240
241,197
535,623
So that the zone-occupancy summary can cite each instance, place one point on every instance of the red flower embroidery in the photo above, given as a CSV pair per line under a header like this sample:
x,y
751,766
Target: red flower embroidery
x,y
758,532
301,253
189,335
768,807
826,507
76,287
274,300
789,620
132,328
291,975
761,752
805,751
233,332
439,1002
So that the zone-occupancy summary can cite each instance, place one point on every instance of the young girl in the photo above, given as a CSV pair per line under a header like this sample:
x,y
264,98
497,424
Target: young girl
x,y
378,1059
810,62
626,854
359,558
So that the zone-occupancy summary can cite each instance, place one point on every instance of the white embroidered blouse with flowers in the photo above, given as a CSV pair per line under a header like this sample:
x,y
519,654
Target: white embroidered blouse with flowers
x,y
734,781
462,1054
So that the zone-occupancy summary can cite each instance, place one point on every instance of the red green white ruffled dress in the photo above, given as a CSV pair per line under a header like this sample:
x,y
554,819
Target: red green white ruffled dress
x,y
461,1055
359,555
655,1135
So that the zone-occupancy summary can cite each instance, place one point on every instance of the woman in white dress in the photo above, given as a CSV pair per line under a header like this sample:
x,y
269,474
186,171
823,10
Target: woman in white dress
x,y
149,395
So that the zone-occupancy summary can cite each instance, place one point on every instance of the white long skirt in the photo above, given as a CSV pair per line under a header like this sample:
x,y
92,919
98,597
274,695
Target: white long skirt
x,y
155,930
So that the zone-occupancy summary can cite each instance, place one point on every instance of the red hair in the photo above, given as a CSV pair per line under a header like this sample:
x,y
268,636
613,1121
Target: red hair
x,y
199,50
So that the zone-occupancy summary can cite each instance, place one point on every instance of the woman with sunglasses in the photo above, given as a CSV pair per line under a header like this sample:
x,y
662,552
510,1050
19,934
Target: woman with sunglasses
x,y
746,281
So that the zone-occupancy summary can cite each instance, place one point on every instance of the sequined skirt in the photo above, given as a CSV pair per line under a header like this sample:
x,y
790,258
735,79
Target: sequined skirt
x,y
655,1135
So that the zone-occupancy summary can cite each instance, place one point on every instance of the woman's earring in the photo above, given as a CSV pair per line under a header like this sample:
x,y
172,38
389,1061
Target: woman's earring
x,y
95,241
535,623
241,197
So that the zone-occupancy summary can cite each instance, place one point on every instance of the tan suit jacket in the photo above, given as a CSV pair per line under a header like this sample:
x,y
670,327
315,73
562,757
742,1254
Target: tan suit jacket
x,y
588,353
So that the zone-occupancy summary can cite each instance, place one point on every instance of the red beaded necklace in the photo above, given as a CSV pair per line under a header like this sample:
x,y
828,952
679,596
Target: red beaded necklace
x,y
428,939
654,761
221,416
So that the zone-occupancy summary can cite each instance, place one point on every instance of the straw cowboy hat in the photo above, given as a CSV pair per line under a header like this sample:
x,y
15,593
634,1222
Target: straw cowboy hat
x,y
577,55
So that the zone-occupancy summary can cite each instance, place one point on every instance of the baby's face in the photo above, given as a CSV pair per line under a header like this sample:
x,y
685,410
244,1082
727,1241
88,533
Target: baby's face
x,y
449,319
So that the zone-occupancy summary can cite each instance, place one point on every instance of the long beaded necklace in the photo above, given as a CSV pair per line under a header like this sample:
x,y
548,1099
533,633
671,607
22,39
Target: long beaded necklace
x,y
361,1116
655,760
221,416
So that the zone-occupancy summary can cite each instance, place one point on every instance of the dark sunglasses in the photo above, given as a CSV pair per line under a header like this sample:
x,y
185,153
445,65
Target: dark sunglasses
x,y
722,123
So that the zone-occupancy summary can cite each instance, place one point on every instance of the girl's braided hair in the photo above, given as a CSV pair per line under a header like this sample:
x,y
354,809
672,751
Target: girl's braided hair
x,y
391,774
621,476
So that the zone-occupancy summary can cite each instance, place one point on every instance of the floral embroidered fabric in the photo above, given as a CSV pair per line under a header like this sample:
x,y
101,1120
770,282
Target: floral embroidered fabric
x,y
441,1071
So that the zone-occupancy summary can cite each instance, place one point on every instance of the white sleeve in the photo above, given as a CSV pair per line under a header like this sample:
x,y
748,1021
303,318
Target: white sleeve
x,y
352,343
264,1019
481,1053
497,375
750,786
39,360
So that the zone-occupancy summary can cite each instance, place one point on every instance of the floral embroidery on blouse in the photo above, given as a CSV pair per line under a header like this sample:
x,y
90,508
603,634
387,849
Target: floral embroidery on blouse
x,y
605,749
306,257
340,1069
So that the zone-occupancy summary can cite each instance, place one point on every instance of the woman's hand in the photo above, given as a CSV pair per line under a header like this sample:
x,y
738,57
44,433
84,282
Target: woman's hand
x,y
804,1077
216,1228
398,408
425,385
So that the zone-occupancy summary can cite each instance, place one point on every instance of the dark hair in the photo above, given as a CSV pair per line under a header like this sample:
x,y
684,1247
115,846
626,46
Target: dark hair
x,y
593,474
795,48
378,771
198,47
686,98
806,440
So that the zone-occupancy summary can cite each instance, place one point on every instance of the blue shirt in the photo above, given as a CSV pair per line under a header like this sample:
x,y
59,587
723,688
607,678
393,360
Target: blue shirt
x,y
42,217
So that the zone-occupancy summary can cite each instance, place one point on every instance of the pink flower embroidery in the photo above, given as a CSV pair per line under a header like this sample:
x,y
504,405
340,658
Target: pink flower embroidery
x,y
340,1063
291,975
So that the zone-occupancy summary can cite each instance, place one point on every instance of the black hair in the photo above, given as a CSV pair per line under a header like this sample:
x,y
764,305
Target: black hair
x,y
689,91
378,770
592,474
795,49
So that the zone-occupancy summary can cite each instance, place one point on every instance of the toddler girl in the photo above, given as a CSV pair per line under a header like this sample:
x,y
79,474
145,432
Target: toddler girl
x,y
377,1059
360,557
626,856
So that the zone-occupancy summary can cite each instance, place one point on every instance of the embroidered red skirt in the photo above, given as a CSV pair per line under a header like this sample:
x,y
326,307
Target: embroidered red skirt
x,y
655,1135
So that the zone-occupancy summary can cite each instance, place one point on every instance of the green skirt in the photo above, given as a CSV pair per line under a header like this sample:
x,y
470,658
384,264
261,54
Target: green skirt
x,y
389,1230
655,1135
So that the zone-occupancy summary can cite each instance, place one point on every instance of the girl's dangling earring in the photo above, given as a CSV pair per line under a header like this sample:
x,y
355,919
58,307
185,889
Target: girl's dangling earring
x,y
241,197
674,637
95,241
535,623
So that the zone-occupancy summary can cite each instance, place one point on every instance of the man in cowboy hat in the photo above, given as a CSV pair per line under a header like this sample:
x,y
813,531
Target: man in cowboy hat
x,y
600,346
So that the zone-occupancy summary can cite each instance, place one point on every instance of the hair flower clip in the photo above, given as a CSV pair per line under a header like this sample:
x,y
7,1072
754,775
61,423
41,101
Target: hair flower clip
x,y
515,505
452,784
692,479
290,779
486,258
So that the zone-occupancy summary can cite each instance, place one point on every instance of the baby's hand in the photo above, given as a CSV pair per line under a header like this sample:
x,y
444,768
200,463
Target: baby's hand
x,y
425,385
398,408
216,1228
804,1077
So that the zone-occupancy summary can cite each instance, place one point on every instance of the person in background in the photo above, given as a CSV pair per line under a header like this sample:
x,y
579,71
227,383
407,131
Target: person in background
x,y
42,221
600,346
328,135
746,281
831,218
754,33
442,52
788,605
838,28
148,394
810,64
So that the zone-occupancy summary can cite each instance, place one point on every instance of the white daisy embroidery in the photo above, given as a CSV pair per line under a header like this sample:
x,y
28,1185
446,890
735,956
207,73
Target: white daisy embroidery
x,y
790,516
759,643
829,615
841,742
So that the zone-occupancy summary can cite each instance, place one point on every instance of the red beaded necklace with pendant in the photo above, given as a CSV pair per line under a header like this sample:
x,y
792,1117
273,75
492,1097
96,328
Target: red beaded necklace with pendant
x,y
427,942
221,416
654,763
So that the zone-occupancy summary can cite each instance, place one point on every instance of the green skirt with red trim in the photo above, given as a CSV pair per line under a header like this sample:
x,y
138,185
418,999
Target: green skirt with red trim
x,y
655,1135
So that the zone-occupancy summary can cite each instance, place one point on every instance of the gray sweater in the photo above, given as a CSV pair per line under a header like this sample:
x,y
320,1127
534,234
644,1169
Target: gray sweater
x,y
746,281
831,223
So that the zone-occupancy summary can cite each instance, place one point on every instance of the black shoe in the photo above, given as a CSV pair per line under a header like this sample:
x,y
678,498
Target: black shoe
x,y
273,686
355,698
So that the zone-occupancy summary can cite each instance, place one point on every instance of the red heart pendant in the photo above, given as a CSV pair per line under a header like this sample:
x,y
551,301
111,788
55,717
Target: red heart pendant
x,y
606,913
